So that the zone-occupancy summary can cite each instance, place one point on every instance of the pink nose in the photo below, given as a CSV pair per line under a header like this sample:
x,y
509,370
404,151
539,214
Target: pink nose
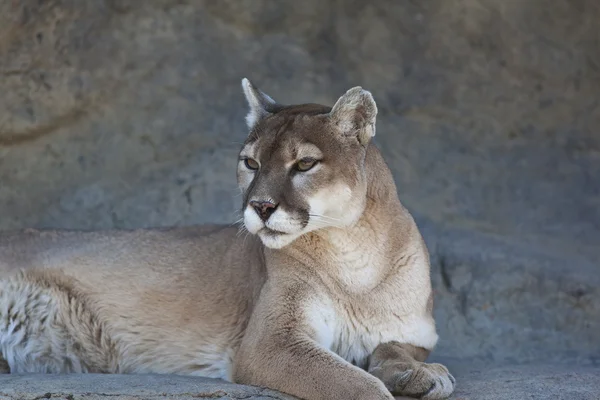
x,y
264,209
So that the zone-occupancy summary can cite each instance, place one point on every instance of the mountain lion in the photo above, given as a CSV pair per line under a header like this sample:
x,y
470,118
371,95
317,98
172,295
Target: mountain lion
x,y
327,296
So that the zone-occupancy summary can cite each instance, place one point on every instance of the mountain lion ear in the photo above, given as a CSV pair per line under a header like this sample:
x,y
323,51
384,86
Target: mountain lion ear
x,y
261,105
354,114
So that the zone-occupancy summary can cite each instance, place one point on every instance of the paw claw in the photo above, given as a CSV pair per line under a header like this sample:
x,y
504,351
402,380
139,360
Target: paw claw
x,y
431,389
402,379
405,377
452,379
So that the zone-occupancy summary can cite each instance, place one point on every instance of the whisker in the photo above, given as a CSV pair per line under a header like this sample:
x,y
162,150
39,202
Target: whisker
x,y
241,231
324,217
319,223
241,227
236,222
245,237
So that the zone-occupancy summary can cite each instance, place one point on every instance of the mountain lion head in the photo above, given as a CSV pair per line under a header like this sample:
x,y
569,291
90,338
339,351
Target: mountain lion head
x,y
302,167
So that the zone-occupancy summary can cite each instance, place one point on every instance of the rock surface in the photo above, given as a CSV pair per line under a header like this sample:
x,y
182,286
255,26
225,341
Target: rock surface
x,y
123,113
121,387
530,382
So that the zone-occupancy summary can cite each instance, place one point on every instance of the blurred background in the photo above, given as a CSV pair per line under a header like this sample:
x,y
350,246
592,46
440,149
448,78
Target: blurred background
x,y
128,113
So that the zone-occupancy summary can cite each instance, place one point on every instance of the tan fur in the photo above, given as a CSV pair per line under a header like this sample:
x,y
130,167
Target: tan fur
x,y
334,283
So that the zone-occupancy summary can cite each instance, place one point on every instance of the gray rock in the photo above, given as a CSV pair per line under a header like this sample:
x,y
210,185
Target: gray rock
x,y
92,386
502,383
537,382
121,113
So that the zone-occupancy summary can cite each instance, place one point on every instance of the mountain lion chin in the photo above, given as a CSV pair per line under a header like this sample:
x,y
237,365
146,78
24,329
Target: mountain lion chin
x,y
275,239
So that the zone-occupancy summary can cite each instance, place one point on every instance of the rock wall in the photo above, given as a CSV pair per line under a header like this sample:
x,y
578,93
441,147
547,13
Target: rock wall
x,y
125,113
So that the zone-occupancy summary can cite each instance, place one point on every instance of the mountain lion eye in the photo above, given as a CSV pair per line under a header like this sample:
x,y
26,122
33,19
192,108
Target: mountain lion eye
x,y
251,164
305,164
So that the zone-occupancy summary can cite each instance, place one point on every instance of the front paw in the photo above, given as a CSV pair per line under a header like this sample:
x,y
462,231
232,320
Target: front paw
x,y
423,381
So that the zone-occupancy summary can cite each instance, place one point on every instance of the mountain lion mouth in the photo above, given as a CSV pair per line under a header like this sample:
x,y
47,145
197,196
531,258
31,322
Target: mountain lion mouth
x,y
272,232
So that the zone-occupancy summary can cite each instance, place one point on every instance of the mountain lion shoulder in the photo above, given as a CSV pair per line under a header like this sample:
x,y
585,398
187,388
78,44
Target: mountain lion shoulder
x,y
328,296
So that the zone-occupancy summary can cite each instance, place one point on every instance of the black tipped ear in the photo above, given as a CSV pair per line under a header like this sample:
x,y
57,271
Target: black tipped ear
x,y
260,104
354,114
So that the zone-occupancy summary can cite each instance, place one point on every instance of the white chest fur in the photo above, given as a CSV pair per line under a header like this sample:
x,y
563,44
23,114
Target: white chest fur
x,y
391,306
345,333
353,326
353,331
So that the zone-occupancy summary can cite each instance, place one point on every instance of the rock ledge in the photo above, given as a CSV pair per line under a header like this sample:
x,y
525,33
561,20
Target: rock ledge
x,y
520,382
